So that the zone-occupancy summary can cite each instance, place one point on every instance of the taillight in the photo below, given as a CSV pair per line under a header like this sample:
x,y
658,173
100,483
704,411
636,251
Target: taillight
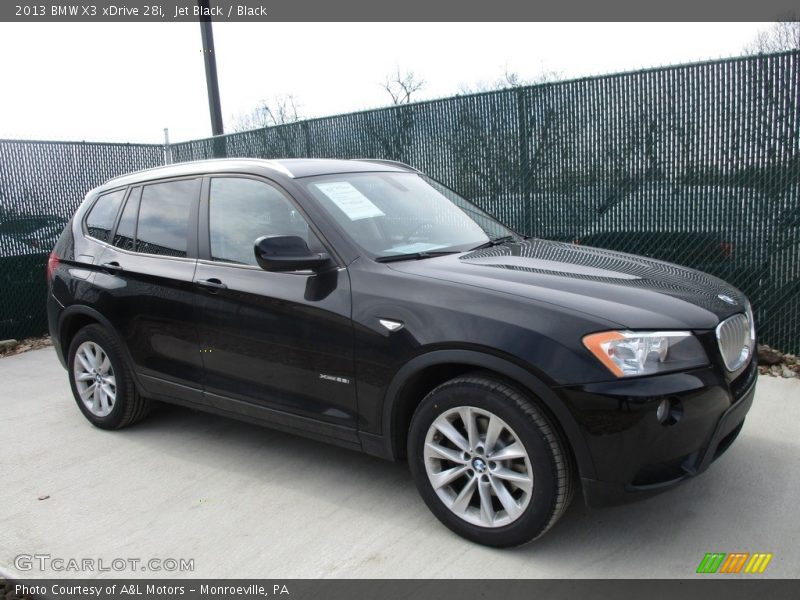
x,y
726,249
52,265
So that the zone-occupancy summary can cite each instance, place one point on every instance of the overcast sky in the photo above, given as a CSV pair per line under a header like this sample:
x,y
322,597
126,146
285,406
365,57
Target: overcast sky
x,y
126,82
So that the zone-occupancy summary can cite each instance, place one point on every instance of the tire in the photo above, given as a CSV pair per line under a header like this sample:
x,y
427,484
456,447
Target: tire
x,y
117,403
535,467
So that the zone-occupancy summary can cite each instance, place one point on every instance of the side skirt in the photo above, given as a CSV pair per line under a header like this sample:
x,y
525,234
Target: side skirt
x,y
251,413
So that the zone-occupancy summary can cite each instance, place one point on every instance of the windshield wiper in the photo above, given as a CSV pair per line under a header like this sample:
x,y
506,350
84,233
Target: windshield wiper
x,y
414,255
494,242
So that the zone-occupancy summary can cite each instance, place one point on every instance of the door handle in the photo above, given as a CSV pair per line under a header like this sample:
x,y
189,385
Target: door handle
x,y
112,267
212,285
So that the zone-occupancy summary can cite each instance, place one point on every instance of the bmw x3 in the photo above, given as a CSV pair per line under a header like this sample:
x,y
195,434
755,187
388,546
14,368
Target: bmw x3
x,y
364,304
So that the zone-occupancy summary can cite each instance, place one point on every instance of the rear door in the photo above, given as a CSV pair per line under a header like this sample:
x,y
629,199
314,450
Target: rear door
x,y
146,285
282,342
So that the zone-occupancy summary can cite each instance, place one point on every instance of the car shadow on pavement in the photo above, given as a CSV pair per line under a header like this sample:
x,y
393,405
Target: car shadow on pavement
x,y
728,507
737,505
251,450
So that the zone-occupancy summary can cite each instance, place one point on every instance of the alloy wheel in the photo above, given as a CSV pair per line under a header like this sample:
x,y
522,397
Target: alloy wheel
x,y
478,466
94,379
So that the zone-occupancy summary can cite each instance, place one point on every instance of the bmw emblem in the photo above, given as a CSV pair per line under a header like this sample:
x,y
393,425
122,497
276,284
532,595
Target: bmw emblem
x,y
726,299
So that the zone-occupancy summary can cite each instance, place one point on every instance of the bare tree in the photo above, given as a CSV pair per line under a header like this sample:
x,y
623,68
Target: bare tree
x,y
511,80
402,86
282,110
781,36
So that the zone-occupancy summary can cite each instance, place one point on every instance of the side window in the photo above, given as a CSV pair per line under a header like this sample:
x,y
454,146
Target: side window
x,y
126,230
164,210
101,217
242,210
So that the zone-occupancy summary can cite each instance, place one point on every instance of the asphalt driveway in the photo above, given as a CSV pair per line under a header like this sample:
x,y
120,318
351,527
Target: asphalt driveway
x,y
243,501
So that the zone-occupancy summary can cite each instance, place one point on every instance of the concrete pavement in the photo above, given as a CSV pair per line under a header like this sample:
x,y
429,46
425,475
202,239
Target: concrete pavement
x,y
243,501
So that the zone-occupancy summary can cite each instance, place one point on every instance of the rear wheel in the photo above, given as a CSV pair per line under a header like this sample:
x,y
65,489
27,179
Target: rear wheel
x,y
101,380
489,462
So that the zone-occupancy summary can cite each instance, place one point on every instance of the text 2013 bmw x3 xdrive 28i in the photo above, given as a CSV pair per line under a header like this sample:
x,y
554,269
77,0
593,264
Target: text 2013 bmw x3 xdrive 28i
x,y
362,303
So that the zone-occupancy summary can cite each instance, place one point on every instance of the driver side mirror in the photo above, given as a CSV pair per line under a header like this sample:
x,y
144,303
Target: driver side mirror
x,y
287,253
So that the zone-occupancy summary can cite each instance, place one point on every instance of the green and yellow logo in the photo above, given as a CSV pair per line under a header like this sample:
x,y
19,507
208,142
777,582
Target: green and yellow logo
x,y
735,562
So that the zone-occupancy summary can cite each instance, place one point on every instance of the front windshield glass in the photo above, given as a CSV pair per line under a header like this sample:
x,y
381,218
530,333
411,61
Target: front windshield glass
x,y
391,214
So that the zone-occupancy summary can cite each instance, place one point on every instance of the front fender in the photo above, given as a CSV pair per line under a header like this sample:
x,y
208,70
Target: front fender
x,y
513,372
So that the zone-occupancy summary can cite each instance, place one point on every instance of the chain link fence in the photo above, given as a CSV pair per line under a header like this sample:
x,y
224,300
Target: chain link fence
x,y
41,185
696,164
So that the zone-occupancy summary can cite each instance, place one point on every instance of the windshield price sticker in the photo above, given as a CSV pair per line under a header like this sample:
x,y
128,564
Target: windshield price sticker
x,y
350,201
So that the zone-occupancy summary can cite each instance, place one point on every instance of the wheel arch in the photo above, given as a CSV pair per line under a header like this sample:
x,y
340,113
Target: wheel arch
x,y
76,317
423,373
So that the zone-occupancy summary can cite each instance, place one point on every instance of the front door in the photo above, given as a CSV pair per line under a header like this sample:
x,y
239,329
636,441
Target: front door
x,y
279,341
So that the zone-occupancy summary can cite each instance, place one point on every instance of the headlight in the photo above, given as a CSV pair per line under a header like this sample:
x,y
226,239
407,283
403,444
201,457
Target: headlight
x,y
632,353
752,318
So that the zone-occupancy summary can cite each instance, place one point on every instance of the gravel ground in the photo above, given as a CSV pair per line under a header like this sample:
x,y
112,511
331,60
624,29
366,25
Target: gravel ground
x,y
14,347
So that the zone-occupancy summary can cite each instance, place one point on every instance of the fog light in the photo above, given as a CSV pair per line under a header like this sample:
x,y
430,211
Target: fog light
x,y
669,411
662,412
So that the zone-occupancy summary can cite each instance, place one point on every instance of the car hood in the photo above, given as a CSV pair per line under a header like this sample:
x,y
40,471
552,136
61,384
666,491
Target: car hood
x,y
632,291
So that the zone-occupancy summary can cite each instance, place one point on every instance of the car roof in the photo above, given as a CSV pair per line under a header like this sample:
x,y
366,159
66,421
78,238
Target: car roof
x,y
292,168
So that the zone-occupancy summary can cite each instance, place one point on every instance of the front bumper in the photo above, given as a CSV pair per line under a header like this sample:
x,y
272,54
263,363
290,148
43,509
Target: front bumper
x,y
634,455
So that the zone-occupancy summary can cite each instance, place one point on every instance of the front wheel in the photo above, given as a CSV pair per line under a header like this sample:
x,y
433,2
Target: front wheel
x,y
488,461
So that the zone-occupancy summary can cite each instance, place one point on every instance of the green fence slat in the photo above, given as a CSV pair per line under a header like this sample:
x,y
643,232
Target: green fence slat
x,y
696,164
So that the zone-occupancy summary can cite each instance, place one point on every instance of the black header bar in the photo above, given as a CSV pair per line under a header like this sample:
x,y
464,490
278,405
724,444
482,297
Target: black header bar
x,y
165,11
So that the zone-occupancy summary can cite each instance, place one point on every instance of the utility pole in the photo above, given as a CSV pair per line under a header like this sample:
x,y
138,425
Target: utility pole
x,y
167,148
209,56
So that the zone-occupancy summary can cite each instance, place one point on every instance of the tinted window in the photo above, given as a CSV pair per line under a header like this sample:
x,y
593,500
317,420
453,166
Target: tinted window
x,y
100,219
243,210
164,217
126,230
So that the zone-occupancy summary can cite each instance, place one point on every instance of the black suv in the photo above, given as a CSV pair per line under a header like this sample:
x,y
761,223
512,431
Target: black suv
x,y
364,304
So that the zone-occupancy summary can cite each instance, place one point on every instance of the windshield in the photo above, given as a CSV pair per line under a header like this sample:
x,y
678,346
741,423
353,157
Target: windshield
x,y
390,214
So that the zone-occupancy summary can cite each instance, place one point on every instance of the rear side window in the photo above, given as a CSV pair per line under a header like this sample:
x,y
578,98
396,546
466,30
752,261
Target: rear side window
x,y
101,217
164,212
125,235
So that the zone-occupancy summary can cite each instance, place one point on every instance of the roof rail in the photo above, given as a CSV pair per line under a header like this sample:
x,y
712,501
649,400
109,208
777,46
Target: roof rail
x,y
391,163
